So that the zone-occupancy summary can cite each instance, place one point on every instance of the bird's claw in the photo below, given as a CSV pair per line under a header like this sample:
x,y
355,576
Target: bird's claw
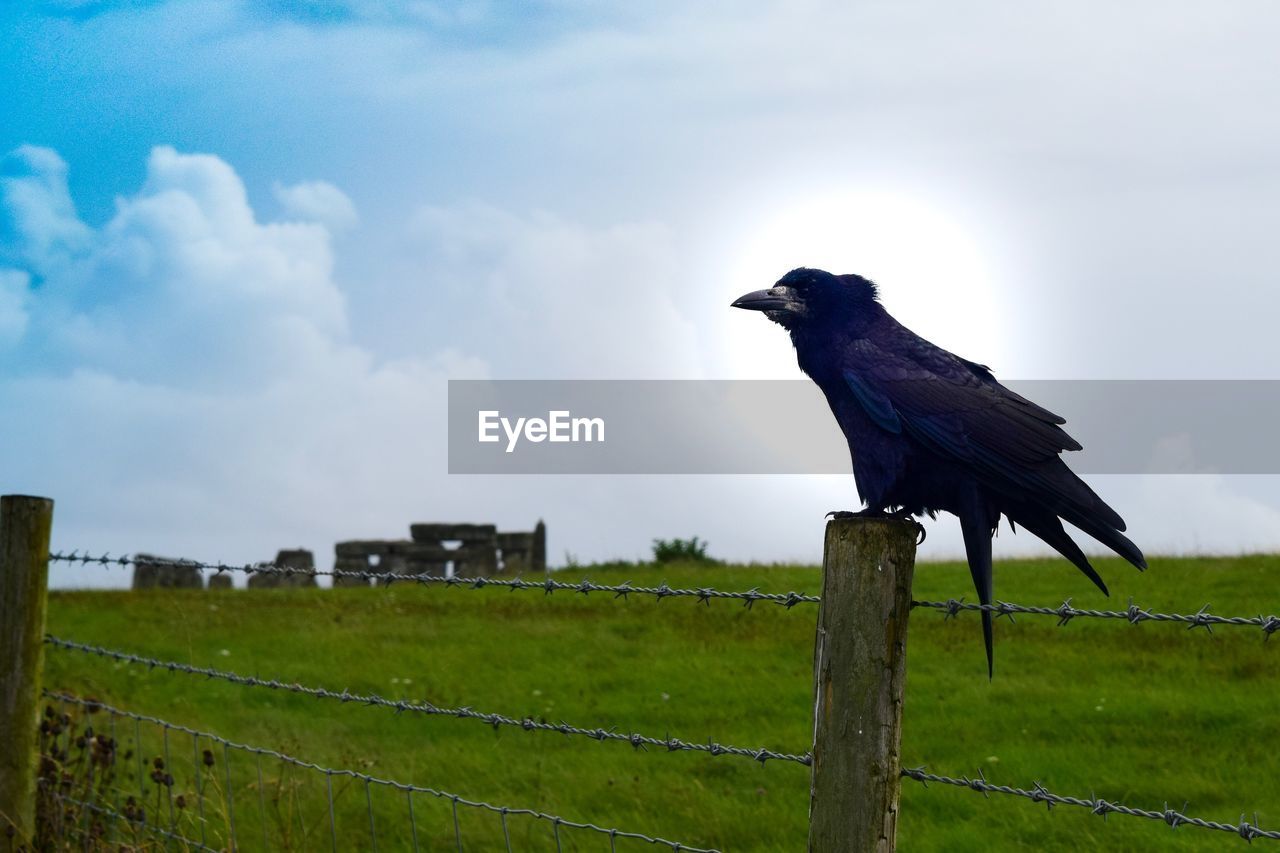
x,y
868,512
900,515
904,515
923,534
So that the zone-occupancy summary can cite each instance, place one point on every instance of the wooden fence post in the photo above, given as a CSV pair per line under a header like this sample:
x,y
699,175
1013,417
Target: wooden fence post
x,y
24,578
859,673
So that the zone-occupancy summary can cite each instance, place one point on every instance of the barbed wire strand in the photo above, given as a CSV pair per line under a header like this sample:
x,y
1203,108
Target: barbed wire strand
x,y
1133,614
456,800
1246,830
1064,612
548,586
638,741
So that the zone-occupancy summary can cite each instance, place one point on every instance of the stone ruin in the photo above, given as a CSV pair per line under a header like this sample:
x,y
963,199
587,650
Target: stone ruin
x,y
288,559
457,550
150,571
293,558
480,551
220,581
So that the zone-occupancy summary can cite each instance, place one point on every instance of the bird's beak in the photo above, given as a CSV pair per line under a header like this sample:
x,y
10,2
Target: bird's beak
x,y
773,299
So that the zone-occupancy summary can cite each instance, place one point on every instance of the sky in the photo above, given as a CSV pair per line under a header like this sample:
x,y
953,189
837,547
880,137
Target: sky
x,y
243,246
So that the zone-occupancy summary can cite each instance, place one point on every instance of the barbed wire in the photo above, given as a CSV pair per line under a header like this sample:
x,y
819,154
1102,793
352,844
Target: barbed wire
x,y
638,741
1133,614
1064,612
1246,830
96,705
548,586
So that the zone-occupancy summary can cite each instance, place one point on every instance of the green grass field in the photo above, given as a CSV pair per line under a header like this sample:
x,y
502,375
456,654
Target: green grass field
x,y
1137,714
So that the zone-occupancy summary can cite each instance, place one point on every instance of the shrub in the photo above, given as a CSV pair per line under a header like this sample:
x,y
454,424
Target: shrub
x,y
692,550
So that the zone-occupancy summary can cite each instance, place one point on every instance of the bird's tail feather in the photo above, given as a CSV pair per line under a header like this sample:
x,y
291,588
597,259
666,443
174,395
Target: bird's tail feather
x,y
977,545
1080,505
1046,525
1109,536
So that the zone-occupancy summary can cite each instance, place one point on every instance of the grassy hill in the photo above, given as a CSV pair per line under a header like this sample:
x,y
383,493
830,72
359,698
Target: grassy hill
x,y
1142,715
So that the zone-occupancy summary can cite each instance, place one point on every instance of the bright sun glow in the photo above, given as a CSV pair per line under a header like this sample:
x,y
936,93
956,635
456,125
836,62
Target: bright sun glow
x,y
931,274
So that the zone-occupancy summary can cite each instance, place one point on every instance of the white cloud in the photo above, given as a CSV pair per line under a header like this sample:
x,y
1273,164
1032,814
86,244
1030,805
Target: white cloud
x,y
1204,513
542,296
14,291
201,380
183,285
38,221
317,201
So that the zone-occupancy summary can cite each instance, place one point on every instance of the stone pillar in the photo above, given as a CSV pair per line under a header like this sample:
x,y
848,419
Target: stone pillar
x,y
517,552
150,571
350,564
392,564
538,560
477,561
294,558
353,556
476,556
412,558
297,558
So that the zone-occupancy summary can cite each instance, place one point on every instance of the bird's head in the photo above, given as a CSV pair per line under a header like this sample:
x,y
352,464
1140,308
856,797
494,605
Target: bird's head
x,y
807,297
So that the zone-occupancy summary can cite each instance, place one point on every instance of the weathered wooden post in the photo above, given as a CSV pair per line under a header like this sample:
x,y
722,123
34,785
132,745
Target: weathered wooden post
x,y
859,673
24,579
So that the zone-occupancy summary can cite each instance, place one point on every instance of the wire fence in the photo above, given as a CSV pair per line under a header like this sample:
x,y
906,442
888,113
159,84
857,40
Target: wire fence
x,y
950,608
137,826
368,781
1064,613
638,741
1037,793
547,586
1133,614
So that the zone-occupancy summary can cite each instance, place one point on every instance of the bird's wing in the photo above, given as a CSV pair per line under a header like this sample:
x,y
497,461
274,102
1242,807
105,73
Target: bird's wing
x,y
958,410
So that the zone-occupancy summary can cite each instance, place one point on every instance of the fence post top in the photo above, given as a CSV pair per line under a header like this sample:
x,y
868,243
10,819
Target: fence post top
x,y
869,519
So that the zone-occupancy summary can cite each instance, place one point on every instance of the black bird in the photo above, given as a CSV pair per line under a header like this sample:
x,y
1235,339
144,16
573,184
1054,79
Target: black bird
x,y
930,431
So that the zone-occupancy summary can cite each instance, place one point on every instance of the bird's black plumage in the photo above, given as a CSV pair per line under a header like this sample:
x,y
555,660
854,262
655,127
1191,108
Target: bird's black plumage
x,y
930,431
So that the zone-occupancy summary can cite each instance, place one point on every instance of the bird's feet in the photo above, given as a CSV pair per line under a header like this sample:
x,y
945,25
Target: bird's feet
x,y
869,512
872,512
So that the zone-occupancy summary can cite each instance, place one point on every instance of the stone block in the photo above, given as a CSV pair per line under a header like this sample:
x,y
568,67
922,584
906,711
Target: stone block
x,y
150,571
465,533
351,564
